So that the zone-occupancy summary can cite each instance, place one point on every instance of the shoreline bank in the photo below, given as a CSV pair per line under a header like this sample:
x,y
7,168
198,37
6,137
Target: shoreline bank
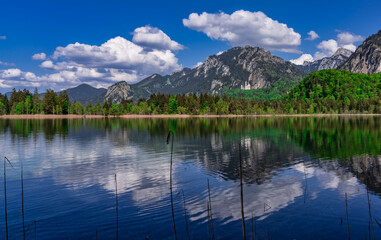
x,y
137,116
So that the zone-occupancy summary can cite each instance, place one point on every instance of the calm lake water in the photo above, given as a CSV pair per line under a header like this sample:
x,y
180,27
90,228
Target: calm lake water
x,y
296,172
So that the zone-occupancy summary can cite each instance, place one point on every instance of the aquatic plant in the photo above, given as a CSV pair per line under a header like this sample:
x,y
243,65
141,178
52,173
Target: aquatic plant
x,y
170,183
253,228
22,200
35,228
241,186
210,212
6,160
116,208
346,208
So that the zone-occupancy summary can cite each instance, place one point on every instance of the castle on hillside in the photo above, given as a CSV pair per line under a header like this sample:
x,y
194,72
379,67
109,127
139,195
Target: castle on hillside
x,y
247,86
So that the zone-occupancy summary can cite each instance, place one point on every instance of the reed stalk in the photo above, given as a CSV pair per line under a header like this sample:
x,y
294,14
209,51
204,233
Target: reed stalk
x,y
117,208
379,224
35,228
306,187
5,200
5,195
170,184
211,213
346,208
242,210
253,228
370,225
22,200
207,207
370,214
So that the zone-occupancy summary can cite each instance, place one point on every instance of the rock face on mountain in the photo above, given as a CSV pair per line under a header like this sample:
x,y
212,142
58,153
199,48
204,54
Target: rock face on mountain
x,y
118,92
338,58
367,57
237,68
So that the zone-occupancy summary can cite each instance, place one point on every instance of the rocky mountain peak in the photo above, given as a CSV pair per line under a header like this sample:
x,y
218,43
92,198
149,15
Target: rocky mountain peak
x,y
245,52
119,91
236,68
367,57
332,62
343,51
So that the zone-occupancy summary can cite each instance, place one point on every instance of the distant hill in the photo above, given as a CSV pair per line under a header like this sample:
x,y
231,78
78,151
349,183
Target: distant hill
x,y
332,62
237,68
367,57
85,94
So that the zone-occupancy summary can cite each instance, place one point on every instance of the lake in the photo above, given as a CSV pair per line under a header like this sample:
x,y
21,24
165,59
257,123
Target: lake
x,y
296,173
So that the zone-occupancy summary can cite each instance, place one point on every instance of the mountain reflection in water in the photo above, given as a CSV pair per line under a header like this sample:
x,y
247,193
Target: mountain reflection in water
x,y
296,171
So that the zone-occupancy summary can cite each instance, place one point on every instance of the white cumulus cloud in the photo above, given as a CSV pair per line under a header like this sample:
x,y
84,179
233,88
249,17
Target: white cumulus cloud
x,y
350,47
2,85
39,56
15,77
47,64
312,35
197,64
118,59
117,53
303,58
10,73
154,38
344,40
327,48
245,28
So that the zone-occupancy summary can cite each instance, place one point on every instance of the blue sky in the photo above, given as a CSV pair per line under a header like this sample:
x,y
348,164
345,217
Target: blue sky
x,y
155,38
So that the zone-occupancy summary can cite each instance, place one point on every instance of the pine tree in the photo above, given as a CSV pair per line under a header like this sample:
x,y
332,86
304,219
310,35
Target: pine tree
x,y
49,101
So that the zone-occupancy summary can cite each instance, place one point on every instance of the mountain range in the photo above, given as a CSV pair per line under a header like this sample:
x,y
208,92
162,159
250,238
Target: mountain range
x,y
239,67
246,68
332,62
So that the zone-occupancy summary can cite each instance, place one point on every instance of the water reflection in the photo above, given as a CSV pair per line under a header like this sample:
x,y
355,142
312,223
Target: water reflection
x,y
290,165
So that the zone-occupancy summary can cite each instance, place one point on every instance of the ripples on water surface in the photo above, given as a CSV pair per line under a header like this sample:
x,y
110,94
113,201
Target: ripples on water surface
x,y
296,172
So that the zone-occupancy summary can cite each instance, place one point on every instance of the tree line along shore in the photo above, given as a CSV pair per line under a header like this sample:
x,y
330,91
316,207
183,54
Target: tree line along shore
x,y
321,92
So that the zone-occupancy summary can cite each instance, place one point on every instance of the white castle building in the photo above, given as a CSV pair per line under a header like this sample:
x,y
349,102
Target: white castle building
x,y
247,86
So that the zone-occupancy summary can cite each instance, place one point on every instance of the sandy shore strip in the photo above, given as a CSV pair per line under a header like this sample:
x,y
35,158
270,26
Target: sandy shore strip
x,y
242,116
49,116
135,116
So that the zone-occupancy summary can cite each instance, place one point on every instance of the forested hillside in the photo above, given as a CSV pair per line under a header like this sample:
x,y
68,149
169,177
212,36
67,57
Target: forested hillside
x,y
337,85
274,92
339,90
